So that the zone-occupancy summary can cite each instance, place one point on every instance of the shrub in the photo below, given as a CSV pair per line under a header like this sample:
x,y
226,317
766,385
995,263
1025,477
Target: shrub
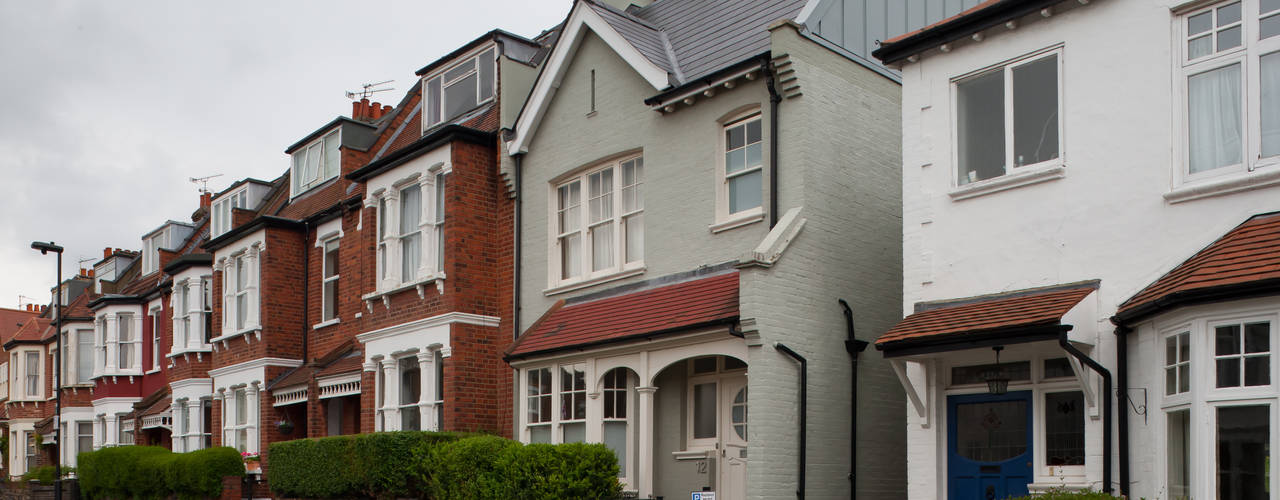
x,y
495,468
45,474
1061,494
147,472
379,465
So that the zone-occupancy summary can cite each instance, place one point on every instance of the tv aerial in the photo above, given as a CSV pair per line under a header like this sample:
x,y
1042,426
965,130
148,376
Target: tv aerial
x,y
368,89
204,182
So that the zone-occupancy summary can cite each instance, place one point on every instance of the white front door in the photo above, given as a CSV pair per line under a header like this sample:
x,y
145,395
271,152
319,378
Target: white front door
x,y
733,439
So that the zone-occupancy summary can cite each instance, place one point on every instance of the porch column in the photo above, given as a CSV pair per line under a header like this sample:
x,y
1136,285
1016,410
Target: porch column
x,y
427,394
112,430
644,440
390,398
251,400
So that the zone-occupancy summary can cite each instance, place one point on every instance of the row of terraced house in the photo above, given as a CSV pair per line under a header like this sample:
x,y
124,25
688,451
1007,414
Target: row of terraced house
x,y
1051,220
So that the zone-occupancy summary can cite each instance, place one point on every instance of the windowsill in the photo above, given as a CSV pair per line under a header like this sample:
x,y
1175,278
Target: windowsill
x,y
152,371
323,324
738,221
402,287
200,350
578,285
1035,175
1263,176
233,335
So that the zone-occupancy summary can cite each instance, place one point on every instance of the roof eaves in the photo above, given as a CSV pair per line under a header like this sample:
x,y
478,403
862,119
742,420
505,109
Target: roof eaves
x,y
972,340
323,129
1234,291
189,260
262,221
476,42
427,143
959,27
512,356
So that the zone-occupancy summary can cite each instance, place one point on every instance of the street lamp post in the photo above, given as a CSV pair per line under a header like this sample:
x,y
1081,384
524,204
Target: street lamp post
x,y
44,249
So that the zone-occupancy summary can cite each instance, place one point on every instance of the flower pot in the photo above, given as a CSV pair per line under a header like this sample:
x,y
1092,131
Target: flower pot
x,y
253,467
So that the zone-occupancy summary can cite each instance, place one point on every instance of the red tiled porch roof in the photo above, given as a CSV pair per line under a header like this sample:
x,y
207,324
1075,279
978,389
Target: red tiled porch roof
x,y
1244,260
986,314
665,309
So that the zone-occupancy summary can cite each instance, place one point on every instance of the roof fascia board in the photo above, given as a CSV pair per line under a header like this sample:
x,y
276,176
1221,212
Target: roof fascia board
x,y
959,28
1195,297
262,221
325,129
429,142
544,89
963,341
809,8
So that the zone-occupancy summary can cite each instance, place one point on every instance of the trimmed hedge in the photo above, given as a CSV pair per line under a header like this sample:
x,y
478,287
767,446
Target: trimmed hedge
x,y
442,466
376,465
148,472
45,474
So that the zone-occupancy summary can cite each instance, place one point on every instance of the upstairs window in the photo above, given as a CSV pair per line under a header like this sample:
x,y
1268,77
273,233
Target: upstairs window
x,y
127,341
329,304
316,162
151,253
220,222
459,88
1177,364
240,292
1008,117
33,374
1230,59
411,232
742,188
603,233
84,356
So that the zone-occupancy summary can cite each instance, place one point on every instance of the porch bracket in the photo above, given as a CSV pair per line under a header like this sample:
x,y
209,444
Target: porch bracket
x,y
913,394
1090,395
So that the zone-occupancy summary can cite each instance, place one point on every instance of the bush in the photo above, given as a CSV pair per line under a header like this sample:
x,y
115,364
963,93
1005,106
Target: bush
x,y
45,474
494,468
1061,494
148,472
379,465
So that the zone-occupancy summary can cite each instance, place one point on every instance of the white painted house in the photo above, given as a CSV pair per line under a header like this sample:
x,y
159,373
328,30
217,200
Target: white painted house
x,y
1077,173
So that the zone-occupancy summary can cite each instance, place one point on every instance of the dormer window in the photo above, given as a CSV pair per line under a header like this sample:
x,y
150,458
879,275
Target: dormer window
x,y
459,88
315,163
168,237
151,253
221,219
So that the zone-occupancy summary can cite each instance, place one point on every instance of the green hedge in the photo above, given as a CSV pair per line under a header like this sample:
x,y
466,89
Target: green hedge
x,y
1058,494
376,465
147,472
45,474
442,466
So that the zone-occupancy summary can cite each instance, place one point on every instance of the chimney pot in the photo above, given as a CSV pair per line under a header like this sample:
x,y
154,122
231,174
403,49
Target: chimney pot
x,y
106,253
375,111
356,107
386,110
42,308
84,272
206,199
91,272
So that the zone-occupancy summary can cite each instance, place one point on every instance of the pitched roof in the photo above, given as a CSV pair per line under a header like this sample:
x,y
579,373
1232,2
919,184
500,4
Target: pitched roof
x,y
665,309
11,320
707,35
79,308
976,316
31,331
1243,261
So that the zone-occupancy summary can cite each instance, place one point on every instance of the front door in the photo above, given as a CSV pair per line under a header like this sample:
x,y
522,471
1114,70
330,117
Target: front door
x,y
733,443
989,446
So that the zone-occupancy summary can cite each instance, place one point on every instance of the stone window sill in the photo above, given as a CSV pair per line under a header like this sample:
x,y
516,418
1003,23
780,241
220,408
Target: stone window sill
x,y
1009,181
737,222
578,285
1242,181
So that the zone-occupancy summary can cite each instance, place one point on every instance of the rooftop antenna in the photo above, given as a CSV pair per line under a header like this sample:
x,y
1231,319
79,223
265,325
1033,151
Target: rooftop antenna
x,y
30,300
204,182
368,90
86,259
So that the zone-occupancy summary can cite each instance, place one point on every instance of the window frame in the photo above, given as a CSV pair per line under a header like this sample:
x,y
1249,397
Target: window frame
x,y
325,279
1248,55
722,215
584,229
548,420
220,213
717,377
474,57
1178,363
299,185
31,382
133,343
1006,67
81,351
389,260
1210,330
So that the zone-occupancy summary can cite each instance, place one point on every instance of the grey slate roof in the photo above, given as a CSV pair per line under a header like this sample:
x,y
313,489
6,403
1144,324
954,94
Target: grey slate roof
x,y
691,39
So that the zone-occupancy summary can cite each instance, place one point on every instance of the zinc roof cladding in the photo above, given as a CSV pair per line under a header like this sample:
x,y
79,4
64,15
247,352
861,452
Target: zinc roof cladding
x,y
664,309
1249,253
708,35
1004,311
982,16
11,320
944,22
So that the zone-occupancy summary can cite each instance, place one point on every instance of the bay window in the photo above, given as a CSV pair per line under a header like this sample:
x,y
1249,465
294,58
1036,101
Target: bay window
x,y
617,398
1242,354
240,280
406,220
126,341
1177,363
1230,60
1178,439
410,393
1008,117
190,304
407,398
1244,452
538,405
84,356
316,162
607,235
84,436
155,339
456,89
32,374
573,404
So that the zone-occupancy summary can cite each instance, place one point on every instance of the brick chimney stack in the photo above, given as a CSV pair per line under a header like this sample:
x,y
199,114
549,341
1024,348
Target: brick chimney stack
x,y
366,111
106,253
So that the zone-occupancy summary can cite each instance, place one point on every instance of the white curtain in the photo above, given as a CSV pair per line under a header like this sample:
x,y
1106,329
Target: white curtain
x,y
1270,83
1213,105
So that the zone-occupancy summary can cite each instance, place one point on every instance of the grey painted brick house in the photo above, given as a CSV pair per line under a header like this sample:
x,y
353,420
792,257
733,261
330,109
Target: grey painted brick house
x,y
700,183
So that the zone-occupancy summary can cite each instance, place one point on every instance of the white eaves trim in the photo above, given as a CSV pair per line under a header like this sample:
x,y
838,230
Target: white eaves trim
x,y
255,364
440,320
544,89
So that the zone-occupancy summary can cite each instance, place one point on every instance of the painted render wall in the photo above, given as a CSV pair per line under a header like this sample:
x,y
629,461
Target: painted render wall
x,y
1105,219
838,161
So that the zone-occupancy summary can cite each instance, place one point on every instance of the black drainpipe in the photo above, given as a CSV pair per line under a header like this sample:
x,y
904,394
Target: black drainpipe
x,y
1122,427
515,271
804,401
774,99
853,346
1106,405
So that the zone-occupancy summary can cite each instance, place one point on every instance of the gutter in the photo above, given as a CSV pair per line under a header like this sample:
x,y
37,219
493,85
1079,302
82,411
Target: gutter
x,y
428,142
853,346
804,411
259,222
774,99
1106,405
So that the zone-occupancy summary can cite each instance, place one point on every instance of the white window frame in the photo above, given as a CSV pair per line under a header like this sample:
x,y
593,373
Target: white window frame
x,y
626,392
151,246
585,228
32,388
157,319
327,316
238,317
1248,56
390,260
1010,165
300,179
220,216
571,393
1178,362
81,351
723,217
475,58
547,421
133,343
1211,337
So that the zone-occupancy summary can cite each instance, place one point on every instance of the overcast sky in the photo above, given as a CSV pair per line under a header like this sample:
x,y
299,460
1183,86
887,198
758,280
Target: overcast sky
x,y
107,109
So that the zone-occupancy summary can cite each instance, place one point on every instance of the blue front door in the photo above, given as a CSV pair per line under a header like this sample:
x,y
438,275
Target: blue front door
x,y
988,446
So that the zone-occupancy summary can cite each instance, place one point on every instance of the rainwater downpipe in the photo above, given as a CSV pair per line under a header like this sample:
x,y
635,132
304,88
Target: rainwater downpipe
x,y
774,99
1122,391
853,346
1106,405
518,159
804,411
